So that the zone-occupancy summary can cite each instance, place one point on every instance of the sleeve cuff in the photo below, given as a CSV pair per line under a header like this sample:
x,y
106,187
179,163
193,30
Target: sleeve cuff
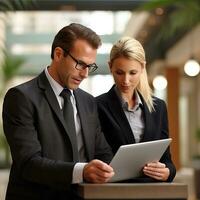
x,y
78,173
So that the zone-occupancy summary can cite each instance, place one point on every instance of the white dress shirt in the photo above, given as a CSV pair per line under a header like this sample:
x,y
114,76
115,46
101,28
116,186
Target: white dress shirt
x,y
134,115
57,88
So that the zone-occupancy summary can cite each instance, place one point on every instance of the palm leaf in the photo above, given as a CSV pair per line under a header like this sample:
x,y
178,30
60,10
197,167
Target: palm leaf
x,y
6,5
11,66
12,5
183,15
151,5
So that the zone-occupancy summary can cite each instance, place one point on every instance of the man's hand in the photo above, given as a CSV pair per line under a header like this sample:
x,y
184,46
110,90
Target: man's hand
x,y
97,171
156,170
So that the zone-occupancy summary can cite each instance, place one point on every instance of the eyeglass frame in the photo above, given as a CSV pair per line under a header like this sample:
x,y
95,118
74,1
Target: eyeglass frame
x,y
91,67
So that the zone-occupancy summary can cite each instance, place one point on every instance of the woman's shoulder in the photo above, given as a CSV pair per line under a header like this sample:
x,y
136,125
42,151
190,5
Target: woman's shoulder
x,y
158,102
106,96
102,99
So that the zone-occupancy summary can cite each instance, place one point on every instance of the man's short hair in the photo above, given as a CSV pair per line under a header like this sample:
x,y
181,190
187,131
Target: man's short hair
x,y
66,37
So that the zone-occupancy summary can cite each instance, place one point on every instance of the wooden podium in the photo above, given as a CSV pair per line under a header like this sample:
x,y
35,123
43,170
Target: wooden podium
x,y
141,191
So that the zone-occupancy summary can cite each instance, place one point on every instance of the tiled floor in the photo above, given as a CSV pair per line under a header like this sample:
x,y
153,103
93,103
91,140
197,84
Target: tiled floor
x,y
185,175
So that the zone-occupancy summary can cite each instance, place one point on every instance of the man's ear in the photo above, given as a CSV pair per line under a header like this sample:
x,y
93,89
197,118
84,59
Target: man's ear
x,y
58,53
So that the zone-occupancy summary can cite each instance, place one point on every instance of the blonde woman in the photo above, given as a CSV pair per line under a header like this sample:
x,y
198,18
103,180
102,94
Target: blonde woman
x,y
129,113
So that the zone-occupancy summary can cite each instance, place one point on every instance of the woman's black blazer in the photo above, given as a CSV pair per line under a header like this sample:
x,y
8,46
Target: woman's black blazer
x,y
118,132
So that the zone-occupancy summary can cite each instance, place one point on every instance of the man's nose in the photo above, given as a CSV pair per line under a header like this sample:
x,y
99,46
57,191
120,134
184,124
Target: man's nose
x,y
84,72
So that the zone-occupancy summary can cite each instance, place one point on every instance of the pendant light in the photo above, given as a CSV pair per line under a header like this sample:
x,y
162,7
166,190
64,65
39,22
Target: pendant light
x,y
191,67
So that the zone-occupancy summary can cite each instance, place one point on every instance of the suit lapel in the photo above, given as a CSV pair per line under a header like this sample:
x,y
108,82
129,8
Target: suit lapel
x,y
147,121
84,123
115,107
53,102
49,94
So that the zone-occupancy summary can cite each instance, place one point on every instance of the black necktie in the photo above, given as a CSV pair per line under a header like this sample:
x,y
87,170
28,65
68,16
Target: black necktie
x,y
68,114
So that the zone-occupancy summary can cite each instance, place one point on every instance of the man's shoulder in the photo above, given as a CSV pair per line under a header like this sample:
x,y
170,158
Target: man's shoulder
x,y
28,83
25,88
83,94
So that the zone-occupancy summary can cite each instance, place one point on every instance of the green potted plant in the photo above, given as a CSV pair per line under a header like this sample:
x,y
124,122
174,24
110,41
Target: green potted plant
x,y
9,68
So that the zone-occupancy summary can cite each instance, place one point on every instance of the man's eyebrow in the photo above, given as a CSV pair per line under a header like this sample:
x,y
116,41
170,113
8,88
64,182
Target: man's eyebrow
x,y
81,62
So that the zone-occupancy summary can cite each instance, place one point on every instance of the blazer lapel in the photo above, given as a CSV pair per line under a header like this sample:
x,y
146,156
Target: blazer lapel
x,y
116,108
50,96
148,129
53,102
84,123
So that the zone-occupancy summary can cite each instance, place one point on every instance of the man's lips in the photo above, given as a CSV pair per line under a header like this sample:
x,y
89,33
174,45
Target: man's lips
x,y
77,80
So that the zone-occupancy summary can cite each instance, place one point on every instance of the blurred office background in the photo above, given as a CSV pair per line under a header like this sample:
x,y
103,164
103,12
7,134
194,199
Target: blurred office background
x,y
169,31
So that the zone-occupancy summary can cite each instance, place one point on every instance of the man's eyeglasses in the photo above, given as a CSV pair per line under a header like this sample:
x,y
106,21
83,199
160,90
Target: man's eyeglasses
x,y
80,65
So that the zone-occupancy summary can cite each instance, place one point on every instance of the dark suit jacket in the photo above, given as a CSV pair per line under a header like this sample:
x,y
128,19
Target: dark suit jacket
x,y
118,132
41,148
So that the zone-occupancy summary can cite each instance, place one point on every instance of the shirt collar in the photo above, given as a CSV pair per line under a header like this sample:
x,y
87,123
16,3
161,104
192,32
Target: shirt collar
x,y
57,88
124,103
138,99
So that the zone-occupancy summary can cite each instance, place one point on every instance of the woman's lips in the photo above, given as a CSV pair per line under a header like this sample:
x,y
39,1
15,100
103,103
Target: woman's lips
x,y
125,87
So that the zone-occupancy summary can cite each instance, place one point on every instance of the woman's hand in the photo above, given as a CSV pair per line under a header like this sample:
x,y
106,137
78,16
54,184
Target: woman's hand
x,y
156,170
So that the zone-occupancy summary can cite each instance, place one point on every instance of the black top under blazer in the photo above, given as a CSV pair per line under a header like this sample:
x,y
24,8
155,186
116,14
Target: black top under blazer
x,y
41,146
117,130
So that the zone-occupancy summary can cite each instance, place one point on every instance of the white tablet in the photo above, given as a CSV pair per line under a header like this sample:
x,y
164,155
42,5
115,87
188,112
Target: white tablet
x,y
130,159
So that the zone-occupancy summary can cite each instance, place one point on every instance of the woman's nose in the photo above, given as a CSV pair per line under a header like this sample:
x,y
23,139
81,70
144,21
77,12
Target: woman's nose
x,y
126,78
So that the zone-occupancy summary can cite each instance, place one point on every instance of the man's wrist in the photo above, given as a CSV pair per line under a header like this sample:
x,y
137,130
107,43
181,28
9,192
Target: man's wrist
x,y
77,176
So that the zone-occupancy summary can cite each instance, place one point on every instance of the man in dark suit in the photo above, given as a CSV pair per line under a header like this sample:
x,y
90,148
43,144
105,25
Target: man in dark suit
x,y
48,156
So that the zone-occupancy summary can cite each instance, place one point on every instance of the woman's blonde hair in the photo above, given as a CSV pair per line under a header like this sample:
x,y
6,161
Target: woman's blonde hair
x,y
131,48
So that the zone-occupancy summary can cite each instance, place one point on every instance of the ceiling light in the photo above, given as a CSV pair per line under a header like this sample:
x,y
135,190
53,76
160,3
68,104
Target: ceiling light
x,y
191,67
160,82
